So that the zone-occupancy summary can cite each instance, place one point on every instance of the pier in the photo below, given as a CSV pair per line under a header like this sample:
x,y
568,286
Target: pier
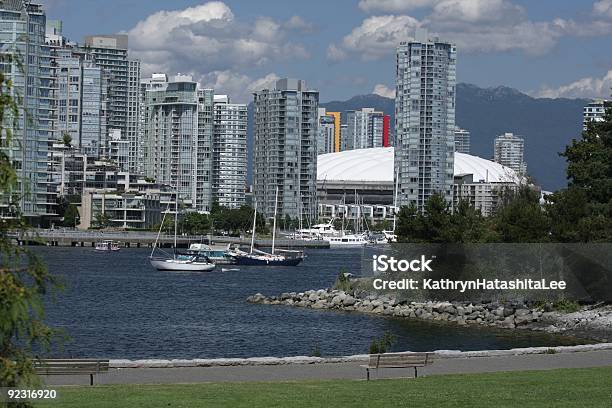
x,y
138,239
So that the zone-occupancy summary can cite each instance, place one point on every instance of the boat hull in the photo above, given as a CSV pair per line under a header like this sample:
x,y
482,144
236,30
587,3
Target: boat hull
x,y
173,265
245,260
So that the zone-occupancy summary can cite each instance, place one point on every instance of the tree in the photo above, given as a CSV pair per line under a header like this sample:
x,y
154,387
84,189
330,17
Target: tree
x,y
71,216
24,281
520,217
67,139
583,211
195,223
101,220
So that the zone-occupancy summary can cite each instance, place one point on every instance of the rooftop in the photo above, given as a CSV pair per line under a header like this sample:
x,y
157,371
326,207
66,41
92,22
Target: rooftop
x,y
376,164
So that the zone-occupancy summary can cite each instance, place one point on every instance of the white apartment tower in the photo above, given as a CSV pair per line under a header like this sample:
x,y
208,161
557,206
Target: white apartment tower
x,y
462,140
26,62
285,149
425,119
174,152
595,112
364,129
229,152
509,151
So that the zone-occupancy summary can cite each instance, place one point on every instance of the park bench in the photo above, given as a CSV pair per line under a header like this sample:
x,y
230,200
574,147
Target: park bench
x,y
398,360
71,367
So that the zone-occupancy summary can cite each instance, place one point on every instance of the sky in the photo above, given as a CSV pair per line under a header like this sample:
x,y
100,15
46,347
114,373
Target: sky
x,y
343,48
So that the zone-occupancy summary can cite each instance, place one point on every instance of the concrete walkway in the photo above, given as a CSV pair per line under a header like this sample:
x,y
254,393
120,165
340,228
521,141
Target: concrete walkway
x,y
345,370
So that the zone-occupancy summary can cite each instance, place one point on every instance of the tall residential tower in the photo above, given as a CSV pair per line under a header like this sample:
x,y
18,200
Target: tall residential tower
x,y
509,150
425,119
285,149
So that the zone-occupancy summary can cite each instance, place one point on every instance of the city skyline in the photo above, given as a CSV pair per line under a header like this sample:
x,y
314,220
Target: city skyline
x,y
236,47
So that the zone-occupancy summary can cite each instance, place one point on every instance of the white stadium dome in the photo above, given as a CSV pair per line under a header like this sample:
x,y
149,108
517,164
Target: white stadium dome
x,y
376,164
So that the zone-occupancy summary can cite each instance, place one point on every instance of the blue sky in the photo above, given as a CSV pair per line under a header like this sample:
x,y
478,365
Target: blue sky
x,y
553,48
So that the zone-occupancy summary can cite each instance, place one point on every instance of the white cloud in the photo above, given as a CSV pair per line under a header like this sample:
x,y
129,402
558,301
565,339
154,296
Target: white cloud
x,y
375,37
238,86
474,25
583,88
208,37
298,23
603,8
476,11
335,53
384,91
394,6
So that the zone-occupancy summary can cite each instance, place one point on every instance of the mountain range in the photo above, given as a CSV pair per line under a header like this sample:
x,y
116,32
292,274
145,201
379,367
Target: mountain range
x,y
548,125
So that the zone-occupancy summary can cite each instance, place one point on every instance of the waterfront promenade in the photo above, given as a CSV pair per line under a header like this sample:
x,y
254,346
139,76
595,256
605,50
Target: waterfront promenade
x,y
70,237
343,370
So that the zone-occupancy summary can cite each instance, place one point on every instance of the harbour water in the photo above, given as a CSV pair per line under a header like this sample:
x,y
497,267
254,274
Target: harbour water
x,y
115,305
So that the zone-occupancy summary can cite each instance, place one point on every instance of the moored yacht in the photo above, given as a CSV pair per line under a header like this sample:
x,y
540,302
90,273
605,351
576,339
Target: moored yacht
x,y
275,257
107,246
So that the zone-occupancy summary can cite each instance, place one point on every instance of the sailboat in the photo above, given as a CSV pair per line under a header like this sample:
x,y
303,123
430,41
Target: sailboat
x,y
192,262
258,257
390,236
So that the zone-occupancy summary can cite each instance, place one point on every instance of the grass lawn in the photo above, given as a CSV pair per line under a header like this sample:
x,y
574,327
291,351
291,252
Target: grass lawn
x,y
590,387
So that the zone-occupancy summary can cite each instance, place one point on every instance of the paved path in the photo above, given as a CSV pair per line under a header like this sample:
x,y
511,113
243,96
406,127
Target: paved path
x,y
290,372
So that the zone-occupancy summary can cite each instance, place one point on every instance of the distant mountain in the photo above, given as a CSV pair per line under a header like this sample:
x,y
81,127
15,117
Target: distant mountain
x,y
548,125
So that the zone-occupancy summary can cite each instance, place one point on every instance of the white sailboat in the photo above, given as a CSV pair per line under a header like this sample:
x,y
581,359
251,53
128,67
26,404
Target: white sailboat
x,y
178,262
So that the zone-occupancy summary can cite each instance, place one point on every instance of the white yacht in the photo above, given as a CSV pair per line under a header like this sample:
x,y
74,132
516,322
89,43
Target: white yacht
x,y
347,240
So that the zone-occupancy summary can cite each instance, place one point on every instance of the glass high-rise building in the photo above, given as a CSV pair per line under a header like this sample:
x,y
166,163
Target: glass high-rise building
x,y
365,129
172,139
462,140
229,152
285,149
509,150
110,52
22,36
425,119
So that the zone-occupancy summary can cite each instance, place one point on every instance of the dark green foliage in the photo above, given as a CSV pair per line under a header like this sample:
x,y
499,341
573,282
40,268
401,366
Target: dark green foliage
x,y
583,211
438,224
101,220
520,217
316,351
380,346
195,223
71,216
67,139
343,282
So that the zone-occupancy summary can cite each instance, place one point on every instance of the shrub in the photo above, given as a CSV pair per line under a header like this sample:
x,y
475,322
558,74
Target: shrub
x,y
380,346
567,306
343,282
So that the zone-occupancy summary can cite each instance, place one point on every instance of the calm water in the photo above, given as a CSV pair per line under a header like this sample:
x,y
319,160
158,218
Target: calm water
x,y
116,306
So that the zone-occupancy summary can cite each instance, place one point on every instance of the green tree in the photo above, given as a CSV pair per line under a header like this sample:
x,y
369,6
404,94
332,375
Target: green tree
x,y
583,211
71,216
67,139
520,217
24,280
195,223
101,220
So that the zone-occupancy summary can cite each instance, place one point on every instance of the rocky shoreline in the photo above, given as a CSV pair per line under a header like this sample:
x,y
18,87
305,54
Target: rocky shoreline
x,y
594,324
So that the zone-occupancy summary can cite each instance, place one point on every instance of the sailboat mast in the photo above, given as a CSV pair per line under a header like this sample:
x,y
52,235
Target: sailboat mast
x,y
175,219
395,200
274,222
254,223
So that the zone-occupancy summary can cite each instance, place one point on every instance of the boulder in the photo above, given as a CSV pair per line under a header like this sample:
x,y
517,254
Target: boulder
x,y
349,301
